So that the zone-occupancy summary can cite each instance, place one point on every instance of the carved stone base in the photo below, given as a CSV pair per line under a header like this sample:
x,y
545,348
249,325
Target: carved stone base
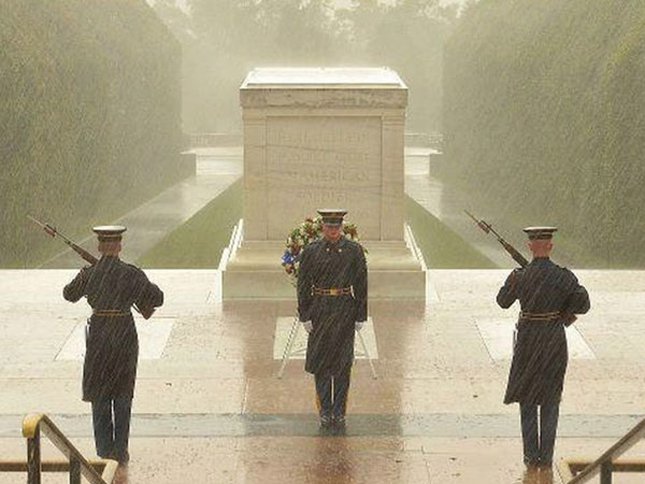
x,y
255,272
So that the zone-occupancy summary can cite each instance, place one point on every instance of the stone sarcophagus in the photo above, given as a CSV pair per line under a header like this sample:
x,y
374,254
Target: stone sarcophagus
x,y
323,137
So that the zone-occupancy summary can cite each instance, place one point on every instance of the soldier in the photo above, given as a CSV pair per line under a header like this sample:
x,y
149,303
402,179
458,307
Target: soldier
x,y
112,345
549,296
332,304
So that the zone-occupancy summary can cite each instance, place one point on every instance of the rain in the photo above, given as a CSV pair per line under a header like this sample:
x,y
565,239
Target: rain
x,y
384,241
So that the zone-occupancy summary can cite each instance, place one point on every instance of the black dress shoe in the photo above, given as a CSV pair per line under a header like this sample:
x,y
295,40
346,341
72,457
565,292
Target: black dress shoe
x,y
339,420
325,421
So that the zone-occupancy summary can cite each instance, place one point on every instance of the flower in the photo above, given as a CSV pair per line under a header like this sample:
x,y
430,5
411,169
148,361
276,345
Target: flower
x,y
304,234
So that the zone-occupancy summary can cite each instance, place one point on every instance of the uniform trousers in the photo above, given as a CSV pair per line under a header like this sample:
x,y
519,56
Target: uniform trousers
x,y
538,446
111,419
332,392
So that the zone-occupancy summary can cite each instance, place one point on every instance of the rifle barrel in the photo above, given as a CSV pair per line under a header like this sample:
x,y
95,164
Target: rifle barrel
x,y
512,251
480,223
472,216
88,257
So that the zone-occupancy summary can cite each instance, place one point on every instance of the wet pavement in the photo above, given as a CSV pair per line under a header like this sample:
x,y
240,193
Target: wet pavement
x,y
210,408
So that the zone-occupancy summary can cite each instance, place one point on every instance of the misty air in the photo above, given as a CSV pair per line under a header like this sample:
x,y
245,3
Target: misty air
x,y
322,241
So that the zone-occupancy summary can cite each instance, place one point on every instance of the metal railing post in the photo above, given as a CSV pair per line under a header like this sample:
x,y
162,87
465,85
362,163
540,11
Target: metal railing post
x,y
295,326
605,472
604,465
74,471
36,425
367,355
34,459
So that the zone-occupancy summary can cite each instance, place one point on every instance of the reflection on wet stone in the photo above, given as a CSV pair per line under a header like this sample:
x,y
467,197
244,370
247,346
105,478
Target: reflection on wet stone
x,y
208,406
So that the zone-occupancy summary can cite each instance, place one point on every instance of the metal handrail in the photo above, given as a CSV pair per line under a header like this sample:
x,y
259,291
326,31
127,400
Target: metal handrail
x,y
32,426
237,242
233,244
603,464
411,242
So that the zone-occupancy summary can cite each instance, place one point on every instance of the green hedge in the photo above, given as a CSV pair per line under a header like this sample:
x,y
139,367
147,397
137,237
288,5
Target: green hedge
x,y
208,232
544,119
442,248
90,106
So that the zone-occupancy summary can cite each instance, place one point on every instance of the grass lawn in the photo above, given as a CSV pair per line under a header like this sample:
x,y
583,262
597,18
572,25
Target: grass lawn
x,y
198,243
441,247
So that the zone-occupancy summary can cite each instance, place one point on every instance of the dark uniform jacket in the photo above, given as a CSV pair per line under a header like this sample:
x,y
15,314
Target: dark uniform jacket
x,y
112,345
540,354
326,265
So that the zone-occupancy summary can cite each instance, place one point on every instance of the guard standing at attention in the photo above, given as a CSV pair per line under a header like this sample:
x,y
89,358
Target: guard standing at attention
x,y
332,304
112,287
549,296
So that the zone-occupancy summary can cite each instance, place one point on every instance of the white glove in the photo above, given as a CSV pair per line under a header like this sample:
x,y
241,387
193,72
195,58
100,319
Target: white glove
x,y
358,325
308,325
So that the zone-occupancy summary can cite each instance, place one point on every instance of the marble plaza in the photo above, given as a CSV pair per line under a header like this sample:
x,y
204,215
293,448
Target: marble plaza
x,y
209,408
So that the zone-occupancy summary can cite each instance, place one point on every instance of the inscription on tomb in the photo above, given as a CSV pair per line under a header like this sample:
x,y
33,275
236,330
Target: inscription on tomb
x,y
323,161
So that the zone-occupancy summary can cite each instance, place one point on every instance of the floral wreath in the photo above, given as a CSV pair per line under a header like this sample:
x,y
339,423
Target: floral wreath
x,y
304,234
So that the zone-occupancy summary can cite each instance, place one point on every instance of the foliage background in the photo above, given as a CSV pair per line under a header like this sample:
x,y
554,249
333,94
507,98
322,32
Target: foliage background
x,y
90,116
544,120
208,232
224,39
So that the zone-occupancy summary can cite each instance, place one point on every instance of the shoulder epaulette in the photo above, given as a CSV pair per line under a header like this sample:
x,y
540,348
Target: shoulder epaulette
x,y
132,266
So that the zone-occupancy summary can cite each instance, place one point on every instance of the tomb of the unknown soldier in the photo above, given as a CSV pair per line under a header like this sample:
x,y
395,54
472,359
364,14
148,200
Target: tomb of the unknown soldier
x,y
386,242
323,137
221,393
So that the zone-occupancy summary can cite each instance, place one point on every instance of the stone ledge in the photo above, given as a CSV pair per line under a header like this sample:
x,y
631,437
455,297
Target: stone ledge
x,y
306,98
255,272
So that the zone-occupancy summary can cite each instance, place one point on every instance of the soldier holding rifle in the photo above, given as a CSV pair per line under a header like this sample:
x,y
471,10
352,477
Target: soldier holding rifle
x,y
112,287
549,296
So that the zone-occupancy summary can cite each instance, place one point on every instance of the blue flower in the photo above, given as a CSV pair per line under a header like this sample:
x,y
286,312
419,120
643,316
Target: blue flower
x,y
288,258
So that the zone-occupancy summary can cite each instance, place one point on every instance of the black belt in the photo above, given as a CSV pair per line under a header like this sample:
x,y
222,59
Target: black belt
x,y
332,291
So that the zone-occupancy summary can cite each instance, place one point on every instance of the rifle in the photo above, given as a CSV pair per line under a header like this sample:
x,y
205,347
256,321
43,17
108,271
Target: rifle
x,y
519,258
487,228
51,231
87,257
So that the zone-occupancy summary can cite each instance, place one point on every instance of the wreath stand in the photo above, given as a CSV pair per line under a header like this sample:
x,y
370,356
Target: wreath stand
x,y
290,351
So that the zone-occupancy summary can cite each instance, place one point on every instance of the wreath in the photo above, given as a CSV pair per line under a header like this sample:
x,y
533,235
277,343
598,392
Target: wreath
x,y
304,234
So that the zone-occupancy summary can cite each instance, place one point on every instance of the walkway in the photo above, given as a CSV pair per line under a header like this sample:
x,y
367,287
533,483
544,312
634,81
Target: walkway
x,y
209,408
217,169
449,205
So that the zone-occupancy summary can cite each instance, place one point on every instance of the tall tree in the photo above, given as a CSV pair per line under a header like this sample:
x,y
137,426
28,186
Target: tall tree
x,y
224,39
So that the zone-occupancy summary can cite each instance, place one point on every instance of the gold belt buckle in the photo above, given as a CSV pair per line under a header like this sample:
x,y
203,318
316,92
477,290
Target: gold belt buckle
x,y
334,292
